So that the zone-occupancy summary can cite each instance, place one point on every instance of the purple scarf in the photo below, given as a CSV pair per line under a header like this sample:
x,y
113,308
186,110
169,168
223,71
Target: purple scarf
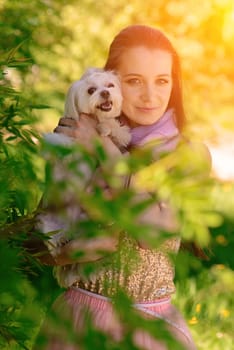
x,y
163,133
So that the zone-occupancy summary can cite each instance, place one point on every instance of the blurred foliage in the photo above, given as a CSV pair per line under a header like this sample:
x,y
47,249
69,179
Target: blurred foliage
x,y
44,46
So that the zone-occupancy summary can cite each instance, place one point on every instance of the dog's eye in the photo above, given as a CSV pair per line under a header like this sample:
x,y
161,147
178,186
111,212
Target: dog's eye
x,y
91,90
110,85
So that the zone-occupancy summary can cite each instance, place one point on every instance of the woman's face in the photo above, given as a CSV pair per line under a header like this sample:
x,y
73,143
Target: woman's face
x,y
146,81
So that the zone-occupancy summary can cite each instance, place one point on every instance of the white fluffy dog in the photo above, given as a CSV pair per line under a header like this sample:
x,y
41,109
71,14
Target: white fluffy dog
x,y
98,94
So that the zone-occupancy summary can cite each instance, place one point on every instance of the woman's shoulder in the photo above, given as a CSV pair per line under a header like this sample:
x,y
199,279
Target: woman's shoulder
x,y
199,147
198,151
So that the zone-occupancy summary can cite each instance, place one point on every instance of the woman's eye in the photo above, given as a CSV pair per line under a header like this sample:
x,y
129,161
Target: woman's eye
x,y
134,81
111,85
91,90
162,81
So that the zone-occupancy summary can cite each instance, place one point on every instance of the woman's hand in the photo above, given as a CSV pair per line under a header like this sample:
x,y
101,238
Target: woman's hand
x,y
162,216
84,131
92,249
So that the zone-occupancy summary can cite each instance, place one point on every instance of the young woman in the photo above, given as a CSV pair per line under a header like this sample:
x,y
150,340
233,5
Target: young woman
x,y
149,70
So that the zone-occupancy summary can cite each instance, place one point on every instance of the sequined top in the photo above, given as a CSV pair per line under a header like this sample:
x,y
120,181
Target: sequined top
x,y
144,274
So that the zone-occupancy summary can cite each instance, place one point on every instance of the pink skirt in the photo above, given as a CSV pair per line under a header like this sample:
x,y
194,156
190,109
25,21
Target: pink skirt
x,y
81,306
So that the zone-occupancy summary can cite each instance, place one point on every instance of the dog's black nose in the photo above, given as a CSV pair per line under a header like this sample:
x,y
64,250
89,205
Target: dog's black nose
x,y
105,94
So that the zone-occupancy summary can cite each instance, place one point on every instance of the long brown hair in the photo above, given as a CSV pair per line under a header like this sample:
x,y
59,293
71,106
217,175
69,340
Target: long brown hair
x,y
142,35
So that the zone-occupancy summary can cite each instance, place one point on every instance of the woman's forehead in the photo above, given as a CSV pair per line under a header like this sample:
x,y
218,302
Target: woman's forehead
x,y
140,59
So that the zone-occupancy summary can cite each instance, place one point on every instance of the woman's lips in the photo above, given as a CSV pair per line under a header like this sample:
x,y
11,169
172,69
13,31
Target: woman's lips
x,y
147,109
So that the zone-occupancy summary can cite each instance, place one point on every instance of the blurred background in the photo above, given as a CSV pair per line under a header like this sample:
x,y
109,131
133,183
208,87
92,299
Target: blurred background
x,y
46,44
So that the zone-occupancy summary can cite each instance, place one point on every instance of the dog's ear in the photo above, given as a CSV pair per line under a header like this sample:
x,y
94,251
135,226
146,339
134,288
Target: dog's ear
x,y
71,108
91,70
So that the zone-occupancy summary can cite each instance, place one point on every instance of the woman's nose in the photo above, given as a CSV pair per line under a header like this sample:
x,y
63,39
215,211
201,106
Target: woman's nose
x,y
148,92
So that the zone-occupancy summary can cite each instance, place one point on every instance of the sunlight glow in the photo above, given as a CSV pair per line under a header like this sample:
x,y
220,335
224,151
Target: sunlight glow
x,y
222,156
227,7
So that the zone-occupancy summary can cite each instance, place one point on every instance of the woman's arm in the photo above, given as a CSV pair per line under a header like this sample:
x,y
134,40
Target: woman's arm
x,y
162,215
82,250
85,250
159,215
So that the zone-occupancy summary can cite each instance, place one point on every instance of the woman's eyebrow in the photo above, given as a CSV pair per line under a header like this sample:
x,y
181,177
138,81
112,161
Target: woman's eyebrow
x,y
130,74
139,75
164,75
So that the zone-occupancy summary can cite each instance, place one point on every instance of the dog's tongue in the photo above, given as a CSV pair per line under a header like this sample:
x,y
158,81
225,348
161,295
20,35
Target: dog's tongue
x,y
106,106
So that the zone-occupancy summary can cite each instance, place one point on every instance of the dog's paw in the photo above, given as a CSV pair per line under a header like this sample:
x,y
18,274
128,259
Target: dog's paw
x,y
103,129
125,136
122,135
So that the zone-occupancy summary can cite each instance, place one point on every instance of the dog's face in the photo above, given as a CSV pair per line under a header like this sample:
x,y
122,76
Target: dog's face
x,y
98,92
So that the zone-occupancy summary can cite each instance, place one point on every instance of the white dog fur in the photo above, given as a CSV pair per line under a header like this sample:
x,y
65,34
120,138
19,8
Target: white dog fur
x,y
98,94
